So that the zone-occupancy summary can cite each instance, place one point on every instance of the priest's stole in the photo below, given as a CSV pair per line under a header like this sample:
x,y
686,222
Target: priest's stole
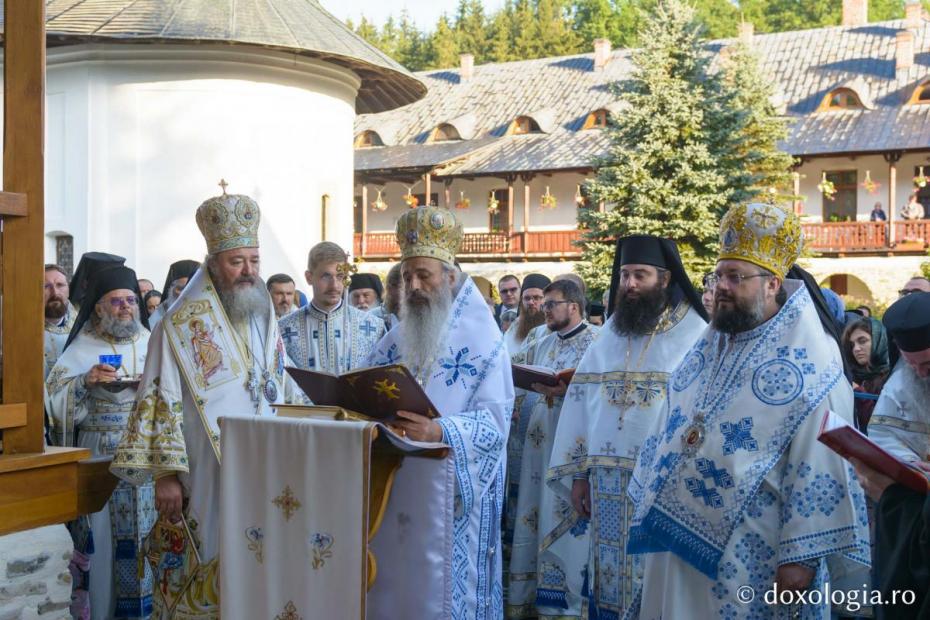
x,y
294,517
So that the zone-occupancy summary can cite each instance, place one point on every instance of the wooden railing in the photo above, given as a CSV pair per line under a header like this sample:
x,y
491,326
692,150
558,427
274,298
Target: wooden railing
x,y
912,231
541,244
846,236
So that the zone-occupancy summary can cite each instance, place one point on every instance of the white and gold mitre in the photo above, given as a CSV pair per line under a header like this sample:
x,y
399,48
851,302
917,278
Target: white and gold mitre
x,y
429,231
762,234
228,222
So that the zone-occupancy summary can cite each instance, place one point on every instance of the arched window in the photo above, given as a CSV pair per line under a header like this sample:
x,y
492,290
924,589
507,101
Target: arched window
x,y
841,99
368,138
596,119
444,133
921,94
523,125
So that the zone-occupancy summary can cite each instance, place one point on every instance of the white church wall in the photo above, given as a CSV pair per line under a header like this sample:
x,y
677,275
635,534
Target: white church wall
x,y
139,136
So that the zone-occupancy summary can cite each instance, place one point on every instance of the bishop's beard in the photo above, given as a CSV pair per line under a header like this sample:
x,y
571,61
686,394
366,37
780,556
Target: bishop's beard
x,y
118,328
528,320
640,314
243,302
422,323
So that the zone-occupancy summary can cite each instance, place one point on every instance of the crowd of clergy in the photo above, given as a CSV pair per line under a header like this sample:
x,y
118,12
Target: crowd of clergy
x,y
674,472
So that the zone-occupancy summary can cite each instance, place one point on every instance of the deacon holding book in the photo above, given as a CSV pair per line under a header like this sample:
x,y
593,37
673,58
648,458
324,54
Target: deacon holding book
x,y
216,352
108,343
569,336
731,487
329,334
618,390
900,422
450,343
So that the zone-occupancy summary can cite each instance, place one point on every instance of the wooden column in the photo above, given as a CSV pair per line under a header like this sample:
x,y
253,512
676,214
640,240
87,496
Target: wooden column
x,y
364,244
23,237
526,178
796,190
892,158
428,182
447,193
510,197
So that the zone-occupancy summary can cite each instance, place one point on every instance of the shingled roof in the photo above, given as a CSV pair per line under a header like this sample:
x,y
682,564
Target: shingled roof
x,y
301,26
803,65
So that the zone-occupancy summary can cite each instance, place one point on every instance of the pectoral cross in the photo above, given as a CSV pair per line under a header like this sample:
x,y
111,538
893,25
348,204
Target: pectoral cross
x,y
368,329
223,185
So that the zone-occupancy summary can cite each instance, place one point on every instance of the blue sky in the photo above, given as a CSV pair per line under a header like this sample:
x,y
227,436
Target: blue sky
x,y
423,12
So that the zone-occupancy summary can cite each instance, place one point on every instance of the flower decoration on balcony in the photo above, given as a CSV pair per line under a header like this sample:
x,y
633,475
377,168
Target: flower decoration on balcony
x,y
869,185
826,187
411,200
463,202
920,181
579,197
547,201
494,205
379,204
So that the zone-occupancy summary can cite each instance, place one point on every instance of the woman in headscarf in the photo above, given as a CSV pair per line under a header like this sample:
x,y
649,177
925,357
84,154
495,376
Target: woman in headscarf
x,y
865,346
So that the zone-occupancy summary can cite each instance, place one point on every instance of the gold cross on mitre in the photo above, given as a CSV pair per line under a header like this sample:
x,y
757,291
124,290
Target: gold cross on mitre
x,y
223,185
345,271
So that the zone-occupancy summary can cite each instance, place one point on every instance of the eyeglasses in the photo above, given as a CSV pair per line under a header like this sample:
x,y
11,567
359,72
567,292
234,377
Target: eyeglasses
x,y
509,291
733,279
550,305
129,300
532,298
907,291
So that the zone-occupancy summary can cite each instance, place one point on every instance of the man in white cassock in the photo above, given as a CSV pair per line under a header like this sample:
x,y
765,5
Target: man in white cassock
x,y
107,343
900,422
618,390
216,352
569,336
59,314
732,489
449,341
329,334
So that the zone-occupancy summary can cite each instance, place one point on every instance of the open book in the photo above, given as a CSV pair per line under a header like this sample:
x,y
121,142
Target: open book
x,y
377,392
525,375
847,441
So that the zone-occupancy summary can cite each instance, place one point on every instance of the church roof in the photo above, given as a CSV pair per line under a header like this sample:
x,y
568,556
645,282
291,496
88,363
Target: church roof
x,y
804,67
294,25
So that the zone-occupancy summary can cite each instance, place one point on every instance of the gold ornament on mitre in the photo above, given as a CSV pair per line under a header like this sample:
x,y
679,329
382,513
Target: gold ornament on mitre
x,y
765,235
429,231
228,222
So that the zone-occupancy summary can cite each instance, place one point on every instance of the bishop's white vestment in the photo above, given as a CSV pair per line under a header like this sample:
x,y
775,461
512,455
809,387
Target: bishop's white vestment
x,y
900,422
96,418
335,342
200,366
539,416
618,391
732,482
470,383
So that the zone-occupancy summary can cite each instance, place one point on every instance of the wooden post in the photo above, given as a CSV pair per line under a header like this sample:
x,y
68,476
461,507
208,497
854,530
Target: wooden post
x,y
892,158
526,210
324,207
447,193
510,197
23,245
364,248
796,190
427,181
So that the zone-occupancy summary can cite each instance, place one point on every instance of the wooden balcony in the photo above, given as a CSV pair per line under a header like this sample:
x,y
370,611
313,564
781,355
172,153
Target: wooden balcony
x,y
865,237
532,245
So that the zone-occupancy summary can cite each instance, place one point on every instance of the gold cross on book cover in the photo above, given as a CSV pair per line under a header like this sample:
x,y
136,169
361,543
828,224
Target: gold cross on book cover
x,y
377,392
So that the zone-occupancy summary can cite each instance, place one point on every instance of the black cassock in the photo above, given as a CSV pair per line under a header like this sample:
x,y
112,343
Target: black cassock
x,y
902,556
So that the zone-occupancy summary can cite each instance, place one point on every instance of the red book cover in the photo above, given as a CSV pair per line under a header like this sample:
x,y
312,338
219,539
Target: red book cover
x,y
847,441
525,375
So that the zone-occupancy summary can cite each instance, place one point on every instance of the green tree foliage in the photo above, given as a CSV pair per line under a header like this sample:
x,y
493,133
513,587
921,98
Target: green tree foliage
x,y
679,150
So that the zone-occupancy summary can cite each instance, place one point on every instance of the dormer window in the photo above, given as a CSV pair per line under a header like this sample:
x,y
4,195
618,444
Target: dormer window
x,y
841,99
523,125
368,138
921,94
596,120
444,133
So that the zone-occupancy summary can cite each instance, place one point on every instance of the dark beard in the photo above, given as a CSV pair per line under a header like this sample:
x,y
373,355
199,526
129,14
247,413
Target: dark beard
x,y
638,315
527,321
744,316
55,308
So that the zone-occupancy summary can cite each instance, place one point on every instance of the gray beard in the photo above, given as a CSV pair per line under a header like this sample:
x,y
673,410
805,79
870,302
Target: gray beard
x,y
422,326
119,328
241,304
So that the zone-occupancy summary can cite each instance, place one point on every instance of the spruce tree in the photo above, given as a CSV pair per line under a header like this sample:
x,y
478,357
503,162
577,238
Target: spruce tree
x,y
443,51
672,167
501,34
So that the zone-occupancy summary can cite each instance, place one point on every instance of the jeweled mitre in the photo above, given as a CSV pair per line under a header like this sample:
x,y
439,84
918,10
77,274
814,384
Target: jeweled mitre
x,y
429,231
766,235
228,222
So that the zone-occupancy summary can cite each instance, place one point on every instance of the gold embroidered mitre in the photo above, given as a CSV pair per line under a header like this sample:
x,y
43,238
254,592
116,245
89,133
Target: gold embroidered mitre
x,y
228,222
429,231
762,234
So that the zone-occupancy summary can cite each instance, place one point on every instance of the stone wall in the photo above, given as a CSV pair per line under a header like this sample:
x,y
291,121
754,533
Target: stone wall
x,y
883,275
34,577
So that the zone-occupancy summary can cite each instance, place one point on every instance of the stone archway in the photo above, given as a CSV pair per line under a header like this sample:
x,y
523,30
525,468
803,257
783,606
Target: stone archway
x,y
883,275
849,286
